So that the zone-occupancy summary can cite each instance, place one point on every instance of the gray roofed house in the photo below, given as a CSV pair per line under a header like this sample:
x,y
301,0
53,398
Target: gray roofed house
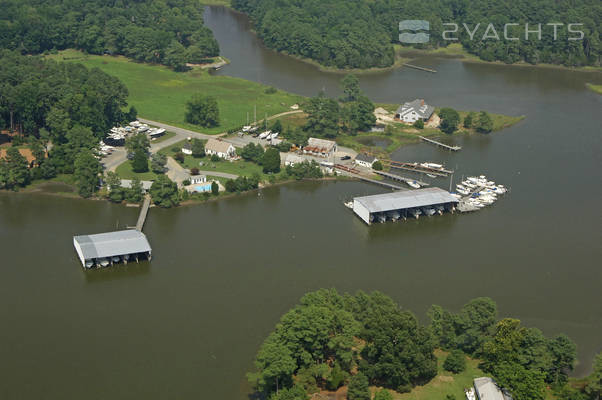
x,y
365,206
414,110
110,244
127,183
487,389
365,160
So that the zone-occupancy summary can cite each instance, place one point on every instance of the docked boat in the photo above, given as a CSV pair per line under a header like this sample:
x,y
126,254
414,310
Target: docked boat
x,y
349,204
116,259
463,191
104,262
413,184
89,264
415,212
382,218
432,165
431,175
394,215
428,211
439,208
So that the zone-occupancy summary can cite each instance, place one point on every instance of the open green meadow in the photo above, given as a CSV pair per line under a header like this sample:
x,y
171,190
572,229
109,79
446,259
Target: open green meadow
x,y
160,94
125,171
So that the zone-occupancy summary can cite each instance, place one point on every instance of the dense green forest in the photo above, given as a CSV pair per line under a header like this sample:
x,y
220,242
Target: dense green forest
x,y
170,32
61,107
361,33
330,340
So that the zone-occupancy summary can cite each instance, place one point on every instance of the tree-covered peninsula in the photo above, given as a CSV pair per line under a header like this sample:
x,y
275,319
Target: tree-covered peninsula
x,y
168,32
367,343
360,33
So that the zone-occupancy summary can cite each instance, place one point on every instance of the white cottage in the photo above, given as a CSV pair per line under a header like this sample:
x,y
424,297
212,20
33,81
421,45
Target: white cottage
x,y
220,148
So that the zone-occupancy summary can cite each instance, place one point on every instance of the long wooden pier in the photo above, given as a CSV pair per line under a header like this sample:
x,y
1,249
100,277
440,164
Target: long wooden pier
x,y
420,68
415,167
451,148
395,177
143,213
355,173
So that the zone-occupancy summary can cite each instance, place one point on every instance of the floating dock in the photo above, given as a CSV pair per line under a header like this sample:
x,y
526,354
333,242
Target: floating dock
x,y
415,167
420,68
399,178
402,205
445,146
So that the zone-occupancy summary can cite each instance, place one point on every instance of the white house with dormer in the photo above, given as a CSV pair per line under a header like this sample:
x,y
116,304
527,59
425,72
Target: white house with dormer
x,y
413,111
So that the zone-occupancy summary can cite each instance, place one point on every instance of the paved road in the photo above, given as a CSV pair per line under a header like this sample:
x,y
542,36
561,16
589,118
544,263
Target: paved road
x,y
176,172
219,174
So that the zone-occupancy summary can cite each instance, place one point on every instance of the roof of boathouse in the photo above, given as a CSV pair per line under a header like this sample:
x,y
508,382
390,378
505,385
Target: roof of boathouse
x,y
112,244
405,199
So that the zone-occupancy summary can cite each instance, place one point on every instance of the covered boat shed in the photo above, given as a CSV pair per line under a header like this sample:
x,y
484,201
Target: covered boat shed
x,y
368,207
92,249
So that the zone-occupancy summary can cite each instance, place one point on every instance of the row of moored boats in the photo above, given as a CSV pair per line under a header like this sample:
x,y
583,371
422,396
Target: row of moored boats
x,y
105,262
478,191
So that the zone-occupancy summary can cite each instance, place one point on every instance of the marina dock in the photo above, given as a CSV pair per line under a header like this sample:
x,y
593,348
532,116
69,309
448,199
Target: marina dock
x,y
445,146
399,178
420,68
415,167
355,173
143,213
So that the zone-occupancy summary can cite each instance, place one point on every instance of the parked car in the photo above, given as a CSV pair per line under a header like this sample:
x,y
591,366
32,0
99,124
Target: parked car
x,y
344,158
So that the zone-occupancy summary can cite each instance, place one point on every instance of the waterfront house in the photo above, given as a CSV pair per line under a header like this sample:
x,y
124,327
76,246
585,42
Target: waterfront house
x,y
220,148
320,147
197,179
487,389
127,184
187,149
413,111
365,160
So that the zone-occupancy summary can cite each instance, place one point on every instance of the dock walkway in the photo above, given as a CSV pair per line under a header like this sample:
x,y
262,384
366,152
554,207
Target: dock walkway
x,y
415,167
420,68
143,213
355,173
451,148
395,177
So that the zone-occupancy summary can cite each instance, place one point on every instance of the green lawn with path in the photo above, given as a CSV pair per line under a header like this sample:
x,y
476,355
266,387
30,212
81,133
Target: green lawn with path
x,y
160,94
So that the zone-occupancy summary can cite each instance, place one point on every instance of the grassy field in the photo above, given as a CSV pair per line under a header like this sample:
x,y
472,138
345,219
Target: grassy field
x,y
125,172
240,168
595,88
160,94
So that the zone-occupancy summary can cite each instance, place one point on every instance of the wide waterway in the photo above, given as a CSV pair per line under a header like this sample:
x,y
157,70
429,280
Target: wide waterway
x,y
188,324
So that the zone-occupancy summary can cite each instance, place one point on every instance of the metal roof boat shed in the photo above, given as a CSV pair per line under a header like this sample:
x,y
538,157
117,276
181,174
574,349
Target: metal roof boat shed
x,y
368,206
92,248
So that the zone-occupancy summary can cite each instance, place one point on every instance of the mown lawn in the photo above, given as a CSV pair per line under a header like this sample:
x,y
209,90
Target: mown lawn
x,y
160,94
125,172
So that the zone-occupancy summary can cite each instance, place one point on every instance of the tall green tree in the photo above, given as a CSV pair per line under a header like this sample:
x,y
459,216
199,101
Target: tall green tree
x,y
158,162
138,141
116,192
351,88
164,192
449,120
359,388
484,124
140,161
594,385
203,111
16,169
87,170
271,161
322,117
198,148
135,193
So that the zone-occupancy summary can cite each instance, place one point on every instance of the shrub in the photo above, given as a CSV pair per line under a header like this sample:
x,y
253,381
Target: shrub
x,y
377,165
419,124
455,362
215,158
179,157
194,171
271,90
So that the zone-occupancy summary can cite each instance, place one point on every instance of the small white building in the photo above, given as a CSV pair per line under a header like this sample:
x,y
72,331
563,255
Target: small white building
x,y
220,148
320,147
365,160
127,184
187,148
487,389
196,179
413,111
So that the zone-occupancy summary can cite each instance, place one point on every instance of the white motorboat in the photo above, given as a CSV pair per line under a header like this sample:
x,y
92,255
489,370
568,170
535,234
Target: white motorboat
x,y
459,186
89,264
432,165
439,208
104,262
413,184
463,191
456,195
431,175
394,215
349,204
415,212
116,259
382,218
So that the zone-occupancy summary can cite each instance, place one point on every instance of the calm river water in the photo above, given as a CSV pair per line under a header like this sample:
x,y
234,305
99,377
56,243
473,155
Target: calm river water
x,y
188,324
